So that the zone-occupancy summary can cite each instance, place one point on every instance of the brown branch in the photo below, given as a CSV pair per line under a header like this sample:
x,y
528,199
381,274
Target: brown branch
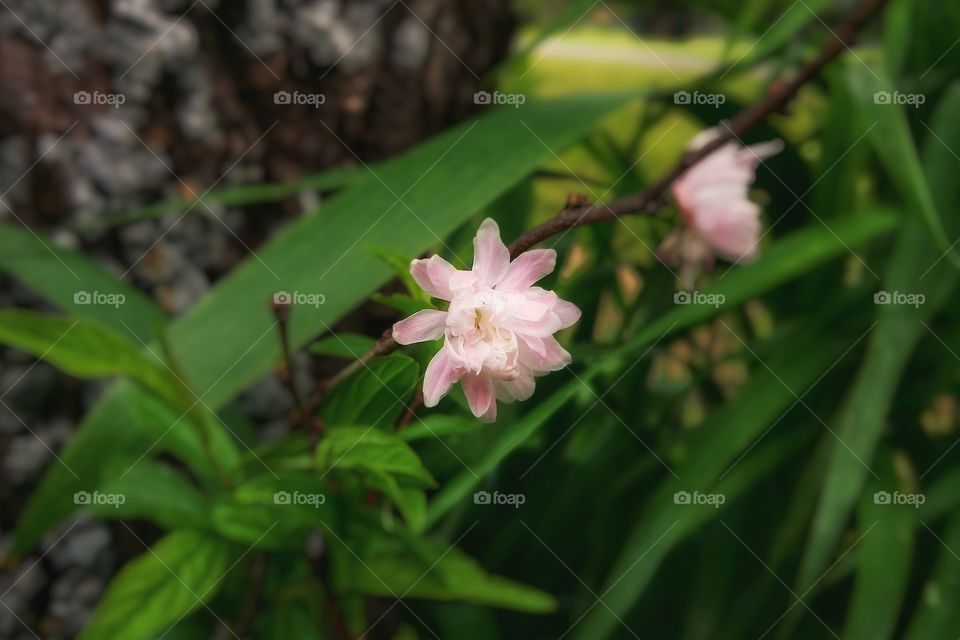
x,y
281,310
576,213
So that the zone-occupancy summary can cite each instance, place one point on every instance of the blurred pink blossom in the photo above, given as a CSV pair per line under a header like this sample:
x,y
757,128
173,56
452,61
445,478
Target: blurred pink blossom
x,y
713,199
498,329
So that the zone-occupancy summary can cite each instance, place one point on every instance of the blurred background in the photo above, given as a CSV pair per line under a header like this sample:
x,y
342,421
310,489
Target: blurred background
x,y
168,140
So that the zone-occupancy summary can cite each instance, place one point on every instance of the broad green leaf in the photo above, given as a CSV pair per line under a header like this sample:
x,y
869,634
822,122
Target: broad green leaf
x,y
76,285
883,564
274,511
325,254
374,395
155,492
180,573
85,349
343,345
912,270
418,568
366,449
787,259
937,617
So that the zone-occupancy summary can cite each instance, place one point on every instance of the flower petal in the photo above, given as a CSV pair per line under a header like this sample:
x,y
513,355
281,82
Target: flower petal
x,y
433,275
424,325
543,355
438,379
491,259
568,313
528,267
479,392
520,388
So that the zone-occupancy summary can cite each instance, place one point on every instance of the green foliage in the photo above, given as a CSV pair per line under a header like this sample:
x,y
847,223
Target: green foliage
x,y
178,574
402,566
375,395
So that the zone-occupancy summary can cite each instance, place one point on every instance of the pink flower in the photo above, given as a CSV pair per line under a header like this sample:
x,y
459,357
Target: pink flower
x,y
498,329
712,197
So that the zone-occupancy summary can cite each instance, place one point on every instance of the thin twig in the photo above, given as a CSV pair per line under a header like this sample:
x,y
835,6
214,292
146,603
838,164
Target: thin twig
x,y
576,213
281,311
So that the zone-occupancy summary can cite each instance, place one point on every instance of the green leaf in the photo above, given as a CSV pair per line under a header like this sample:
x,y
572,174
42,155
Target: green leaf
x,y
937,617
155,492
273,512
375,395
898,30
438,425
67,278
180,573
883,564
788,258
408,567
893,142
343,345
430,179
400,264
84,349
368,449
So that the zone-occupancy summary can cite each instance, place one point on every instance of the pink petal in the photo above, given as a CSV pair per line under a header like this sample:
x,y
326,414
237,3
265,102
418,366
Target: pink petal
x,y
568,313
420,327
491,259
527,268
520,388
438,379
479,392
543,354
433,275
491,414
